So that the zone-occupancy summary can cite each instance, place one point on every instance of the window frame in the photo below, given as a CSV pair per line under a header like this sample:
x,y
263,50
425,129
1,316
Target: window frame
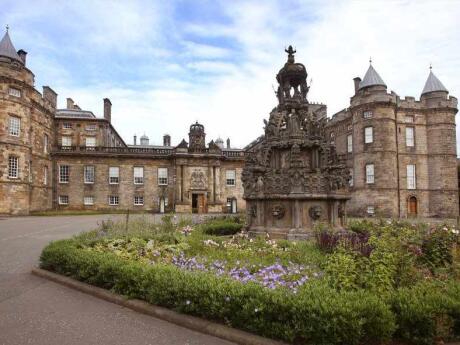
x,y
117,177
85,198
67,125
13,167
85,175
138,200
411,180
91,138
162,180
370,207
114,198
12,93
67,137
368,114
351,182
67,179
140,178
350,143
45,143
366,134
370,178
14,128
61,197
227,179
408,142
45,175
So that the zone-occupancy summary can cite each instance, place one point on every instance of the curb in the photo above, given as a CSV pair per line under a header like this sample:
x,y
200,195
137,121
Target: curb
x,y
187,321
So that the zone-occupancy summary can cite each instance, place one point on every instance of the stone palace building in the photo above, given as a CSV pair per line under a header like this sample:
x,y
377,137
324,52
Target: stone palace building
x,y
401,154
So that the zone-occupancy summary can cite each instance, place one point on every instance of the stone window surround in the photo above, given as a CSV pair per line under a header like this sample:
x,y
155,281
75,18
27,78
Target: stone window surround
x,y
13,167
162,176
230,177
15,92
14,126
411,176
114,175
370,178
64,173
63,199
114,200
88,200
138,175
350,143
89,174
138,200
413,137
368,135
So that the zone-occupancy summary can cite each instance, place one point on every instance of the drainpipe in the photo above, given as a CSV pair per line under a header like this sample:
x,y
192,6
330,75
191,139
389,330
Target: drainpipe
x,y
397,163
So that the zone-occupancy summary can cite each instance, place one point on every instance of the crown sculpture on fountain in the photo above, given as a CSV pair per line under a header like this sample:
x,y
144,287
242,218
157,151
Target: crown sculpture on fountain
x,y
293,178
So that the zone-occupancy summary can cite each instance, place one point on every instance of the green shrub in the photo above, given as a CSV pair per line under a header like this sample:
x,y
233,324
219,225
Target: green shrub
x,y
222,227
437,247
317,314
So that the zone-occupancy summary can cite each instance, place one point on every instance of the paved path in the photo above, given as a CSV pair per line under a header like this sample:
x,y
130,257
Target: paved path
x,y
36,311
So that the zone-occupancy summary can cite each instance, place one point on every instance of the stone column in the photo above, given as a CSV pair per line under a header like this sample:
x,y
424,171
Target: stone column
x,y
217,192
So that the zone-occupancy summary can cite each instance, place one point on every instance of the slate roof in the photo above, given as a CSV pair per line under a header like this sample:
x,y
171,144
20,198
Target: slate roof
x,y
433,84
371,78
7,48
74,113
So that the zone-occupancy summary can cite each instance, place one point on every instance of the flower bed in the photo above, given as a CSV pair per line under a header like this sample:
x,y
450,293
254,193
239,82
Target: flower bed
x,y
403,285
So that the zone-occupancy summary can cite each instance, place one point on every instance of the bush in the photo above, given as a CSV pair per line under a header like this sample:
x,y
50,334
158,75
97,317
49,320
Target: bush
x,y
317,314
222,227
437,247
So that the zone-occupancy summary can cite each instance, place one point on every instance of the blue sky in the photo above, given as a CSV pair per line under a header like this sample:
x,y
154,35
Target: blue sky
x,y
165,64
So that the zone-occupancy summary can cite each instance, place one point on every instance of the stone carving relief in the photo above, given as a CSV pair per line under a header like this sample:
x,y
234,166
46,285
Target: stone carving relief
x,y
315,212
198,180
278,211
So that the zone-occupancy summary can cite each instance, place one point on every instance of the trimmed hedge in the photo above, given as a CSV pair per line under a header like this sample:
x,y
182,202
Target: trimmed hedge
x,y
316,315
221,227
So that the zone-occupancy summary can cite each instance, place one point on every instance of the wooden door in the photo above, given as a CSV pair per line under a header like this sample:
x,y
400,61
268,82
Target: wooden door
x,y
412,206
202,205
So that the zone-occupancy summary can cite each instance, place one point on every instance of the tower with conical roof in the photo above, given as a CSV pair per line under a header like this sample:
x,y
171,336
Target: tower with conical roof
x,y
27,116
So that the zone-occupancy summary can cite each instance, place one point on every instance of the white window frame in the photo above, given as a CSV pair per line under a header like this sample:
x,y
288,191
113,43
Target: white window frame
x,y
368,135
45,143
67,125
13,167
89,174
114,200
91,127
351,182
162,176
411,176
139,200
14,126
370,173
90,141
409,119
138,175
230,177
45,175
410,136
367,114
88,200
14,92
64,173
63,199
114,175
350,143
370,210
66,141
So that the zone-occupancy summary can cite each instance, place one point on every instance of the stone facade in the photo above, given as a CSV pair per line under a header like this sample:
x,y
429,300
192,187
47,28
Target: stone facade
x,y
411,146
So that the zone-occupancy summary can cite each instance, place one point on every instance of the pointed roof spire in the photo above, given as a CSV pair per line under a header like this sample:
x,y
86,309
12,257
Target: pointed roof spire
x,y
7,48
433,84
371,77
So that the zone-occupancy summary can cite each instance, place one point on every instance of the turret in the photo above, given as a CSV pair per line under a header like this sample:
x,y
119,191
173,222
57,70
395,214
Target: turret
x,y
197,137
434,91
144,140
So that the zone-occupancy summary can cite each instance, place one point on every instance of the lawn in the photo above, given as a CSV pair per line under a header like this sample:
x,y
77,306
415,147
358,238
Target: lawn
x,y
375,282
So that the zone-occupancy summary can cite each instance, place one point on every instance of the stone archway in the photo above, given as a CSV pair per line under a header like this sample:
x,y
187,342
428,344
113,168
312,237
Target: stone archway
x,y
412,206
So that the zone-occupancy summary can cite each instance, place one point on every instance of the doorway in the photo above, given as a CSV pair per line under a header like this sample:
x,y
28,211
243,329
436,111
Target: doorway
x,y
412,206
199,203
231,205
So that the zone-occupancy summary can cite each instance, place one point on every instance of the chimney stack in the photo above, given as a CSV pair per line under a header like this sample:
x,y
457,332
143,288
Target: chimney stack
x,y
70,103
135,139
228,143
50,96
107,109
22,55
166,140
357,80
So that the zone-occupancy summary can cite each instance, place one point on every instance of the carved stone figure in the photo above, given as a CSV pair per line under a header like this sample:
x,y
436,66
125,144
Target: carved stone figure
x,y
278,211
198,180
315,212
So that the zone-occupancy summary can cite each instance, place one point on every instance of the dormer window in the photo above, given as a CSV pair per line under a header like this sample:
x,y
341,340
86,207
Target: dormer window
x,y
367,114
14,92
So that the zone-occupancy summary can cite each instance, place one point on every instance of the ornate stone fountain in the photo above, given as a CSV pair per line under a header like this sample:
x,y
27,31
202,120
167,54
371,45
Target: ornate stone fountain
x,y
292,177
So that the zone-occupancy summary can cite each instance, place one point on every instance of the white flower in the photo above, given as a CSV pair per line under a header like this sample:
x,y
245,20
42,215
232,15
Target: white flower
x,y
187,302
256,310
455,232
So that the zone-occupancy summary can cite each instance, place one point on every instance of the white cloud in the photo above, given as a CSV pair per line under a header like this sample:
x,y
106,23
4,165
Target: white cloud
x,y
223,76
